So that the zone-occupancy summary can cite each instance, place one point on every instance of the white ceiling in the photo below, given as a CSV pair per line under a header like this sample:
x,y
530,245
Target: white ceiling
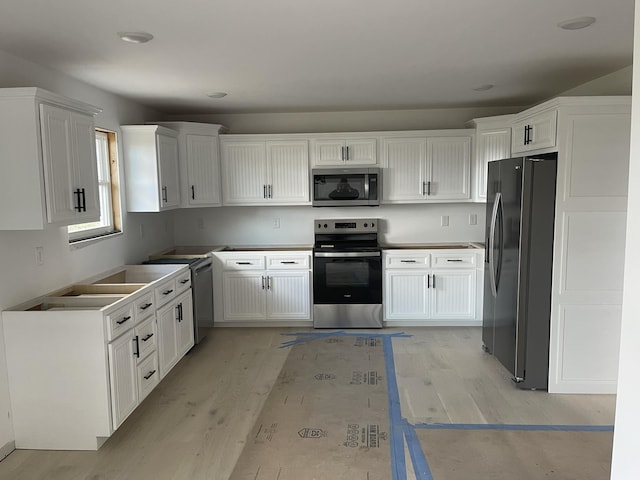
x,y
323,55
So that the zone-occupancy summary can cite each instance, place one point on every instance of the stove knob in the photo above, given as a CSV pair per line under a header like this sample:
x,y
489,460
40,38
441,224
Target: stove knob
x,y
326,226
366,225
319,225
373,224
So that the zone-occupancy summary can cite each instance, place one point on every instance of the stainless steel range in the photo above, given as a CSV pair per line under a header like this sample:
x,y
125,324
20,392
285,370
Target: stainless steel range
x,y
347,274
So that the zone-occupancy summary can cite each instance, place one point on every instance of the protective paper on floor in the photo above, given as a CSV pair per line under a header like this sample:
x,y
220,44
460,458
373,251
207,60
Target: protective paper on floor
x,y
522,455
327,416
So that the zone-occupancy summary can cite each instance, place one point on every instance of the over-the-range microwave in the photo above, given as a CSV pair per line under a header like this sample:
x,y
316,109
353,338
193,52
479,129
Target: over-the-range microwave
x,y
346,187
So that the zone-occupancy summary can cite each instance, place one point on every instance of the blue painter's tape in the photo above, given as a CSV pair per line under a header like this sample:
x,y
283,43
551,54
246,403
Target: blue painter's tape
x,y
396,444
515,427
305,337
418,460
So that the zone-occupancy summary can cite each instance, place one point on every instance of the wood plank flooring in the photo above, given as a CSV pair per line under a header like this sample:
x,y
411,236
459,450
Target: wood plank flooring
x,y
195,424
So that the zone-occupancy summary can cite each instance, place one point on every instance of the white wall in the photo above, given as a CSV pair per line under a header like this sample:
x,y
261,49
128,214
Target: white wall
x,y
616,83
627,425
254,225
20,277
362,121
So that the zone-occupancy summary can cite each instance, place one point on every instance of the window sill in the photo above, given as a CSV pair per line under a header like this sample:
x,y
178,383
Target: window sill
x,y
85,242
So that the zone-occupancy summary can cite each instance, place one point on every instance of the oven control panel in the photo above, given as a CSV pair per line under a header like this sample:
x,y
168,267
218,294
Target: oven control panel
x,y
347,225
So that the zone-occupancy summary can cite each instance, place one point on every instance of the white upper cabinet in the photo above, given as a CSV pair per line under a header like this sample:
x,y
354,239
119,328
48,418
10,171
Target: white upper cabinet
x,y
426,168
493,142
344,151
260,171
533,130
47,143
199,162
151,168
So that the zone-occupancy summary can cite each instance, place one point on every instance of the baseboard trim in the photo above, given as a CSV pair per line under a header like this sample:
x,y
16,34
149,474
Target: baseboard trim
x,y
6,449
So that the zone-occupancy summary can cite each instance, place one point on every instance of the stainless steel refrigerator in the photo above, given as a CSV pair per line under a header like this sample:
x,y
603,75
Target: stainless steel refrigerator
x,y
518,264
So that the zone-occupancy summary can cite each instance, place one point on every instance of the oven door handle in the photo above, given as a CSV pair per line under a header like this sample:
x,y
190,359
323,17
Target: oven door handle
x,y
348,254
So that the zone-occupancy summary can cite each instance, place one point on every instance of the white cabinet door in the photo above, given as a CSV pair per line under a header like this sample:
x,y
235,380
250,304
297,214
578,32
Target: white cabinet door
x,y
168,166
244,170
535,132
122,370
453,294
69,156
449,165
203,170
344,151
491,144
86,166
244,295
288,163
406,295
184,334
167,338
288,295
405,168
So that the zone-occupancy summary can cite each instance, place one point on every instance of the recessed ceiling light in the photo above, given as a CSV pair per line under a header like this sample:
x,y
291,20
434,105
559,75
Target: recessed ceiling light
x,y
135,37
577,23
216,94
484,88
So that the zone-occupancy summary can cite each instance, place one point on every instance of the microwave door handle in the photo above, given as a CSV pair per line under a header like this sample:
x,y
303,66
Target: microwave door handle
x,y
366,186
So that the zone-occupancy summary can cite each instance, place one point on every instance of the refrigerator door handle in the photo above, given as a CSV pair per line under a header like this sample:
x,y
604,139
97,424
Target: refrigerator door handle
x,y
492,235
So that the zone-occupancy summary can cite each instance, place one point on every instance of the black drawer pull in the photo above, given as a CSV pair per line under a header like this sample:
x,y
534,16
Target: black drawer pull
x,y
454,260
407,261
147,337
184,281
243,263
288,262
149,375
124,319
145,306
167,292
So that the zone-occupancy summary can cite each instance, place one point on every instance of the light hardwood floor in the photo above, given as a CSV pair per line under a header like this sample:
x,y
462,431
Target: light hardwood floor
x,y
194,425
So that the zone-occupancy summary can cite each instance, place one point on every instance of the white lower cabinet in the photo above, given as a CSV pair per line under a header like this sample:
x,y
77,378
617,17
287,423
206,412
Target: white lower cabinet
x,y
175,331
427,288
254,287
97,354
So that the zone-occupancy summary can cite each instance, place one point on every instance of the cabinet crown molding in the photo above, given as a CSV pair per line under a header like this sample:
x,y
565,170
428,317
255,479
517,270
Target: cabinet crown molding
x,y
51,98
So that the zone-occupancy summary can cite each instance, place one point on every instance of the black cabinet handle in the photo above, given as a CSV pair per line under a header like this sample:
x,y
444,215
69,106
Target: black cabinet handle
x,y
78,207
288,262
179,312
429,187
124,319
264,191
164,194
453,260
407,261
433,282
428,280
348,154
167,292
243,263
137,350
84,201
149,375
147,337
270,194
193,192
145,306
184,281
262,283
342,153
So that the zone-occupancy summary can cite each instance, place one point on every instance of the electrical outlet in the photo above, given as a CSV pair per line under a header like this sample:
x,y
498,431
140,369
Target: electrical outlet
x,y
444,220
276,223
39,255
473,219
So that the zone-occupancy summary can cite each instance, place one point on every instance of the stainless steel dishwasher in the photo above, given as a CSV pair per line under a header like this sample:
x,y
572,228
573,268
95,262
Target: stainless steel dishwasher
x,y
201,289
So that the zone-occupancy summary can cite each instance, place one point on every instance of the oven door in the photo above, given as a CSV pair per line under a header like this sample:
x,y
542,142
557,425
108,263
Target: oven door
x,y
347,278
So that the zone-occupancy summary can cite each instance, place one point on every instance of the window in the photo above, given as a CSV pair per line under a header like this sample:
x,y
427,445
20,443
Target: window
x,y
110,221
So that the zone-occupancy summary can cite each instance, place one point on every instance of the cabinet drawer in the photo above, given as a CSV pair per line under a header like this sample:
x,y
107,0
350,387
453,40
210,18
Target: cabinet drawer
x,y
144,307
183,281
534,132
454,260
146,333
148,375
249,262
120,321
165,292
282,262
419,260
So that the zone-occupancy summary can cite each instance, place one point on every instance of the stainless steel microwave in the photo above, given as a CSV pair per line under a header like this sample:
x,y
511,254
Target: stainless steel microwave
x,y
346,187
